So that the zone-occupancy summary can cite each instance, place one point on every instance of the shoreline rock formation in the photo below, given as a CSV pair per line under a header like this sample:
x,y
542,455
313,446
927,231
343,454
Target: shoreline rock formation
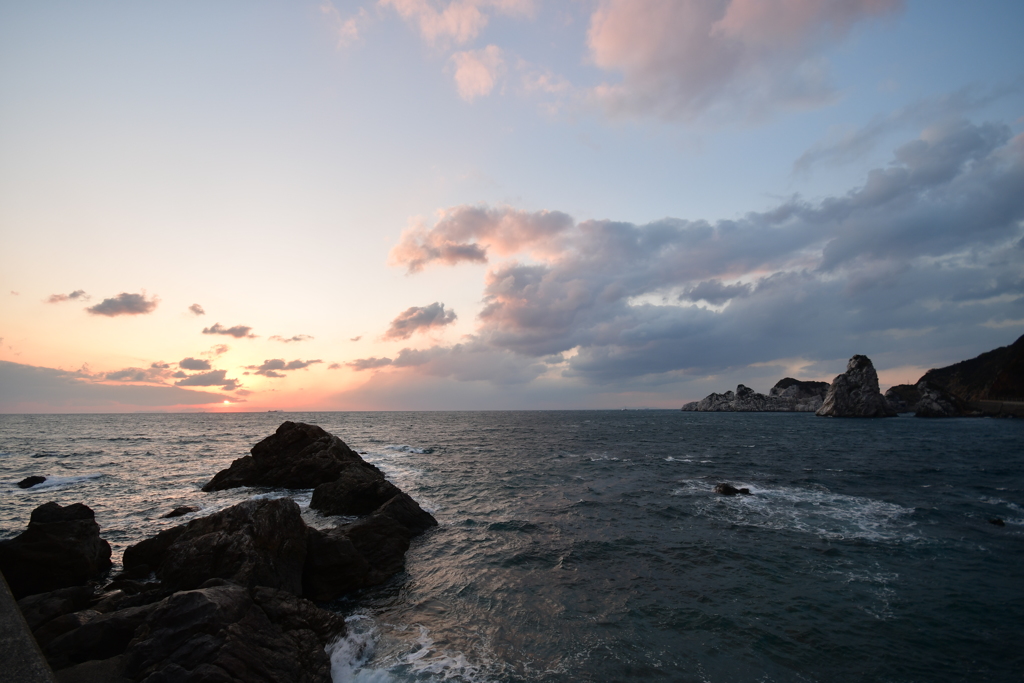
x,y
225,597
787,396
855,393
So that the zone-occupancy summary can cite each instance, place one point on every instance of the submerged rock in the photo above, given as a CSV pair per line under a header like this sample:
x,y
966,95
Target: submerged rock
x,y
855,393
29,482
180,511
61,547
730,490
296,456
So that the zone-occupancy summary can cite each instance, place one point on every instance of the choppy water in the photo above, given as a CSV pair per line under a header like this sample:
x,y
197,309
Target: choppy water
x,y
588,546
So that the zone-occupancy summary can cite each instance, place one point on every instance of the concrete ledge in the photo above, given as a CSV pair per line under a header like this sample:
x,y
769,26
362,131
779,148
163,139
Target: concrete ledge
x,y
20,658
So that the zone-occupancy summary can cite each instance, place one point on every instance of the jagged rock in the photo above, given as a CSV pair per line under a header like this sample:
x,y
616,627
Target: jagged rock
x,y
855,393
730,490
43,607
902,397
937,402
258,542
407,512
806,396
180,511
29,482
359,490
220,632
61,547
788,395
296,456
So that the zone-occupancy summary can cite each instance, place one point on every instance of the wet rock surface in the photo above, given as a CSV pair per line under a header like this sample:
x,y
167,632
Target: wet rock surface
x,y
855,393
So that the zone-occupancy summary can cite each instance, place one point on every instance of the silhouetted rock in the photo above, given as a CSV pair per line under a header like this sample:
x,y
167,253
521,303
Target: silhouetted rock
x,y
296,456
220,632
43,607
855,393
359,490
730,490
180,511
61,547
258,542
902,397
997,522
937,402
407,512
787,396
29,482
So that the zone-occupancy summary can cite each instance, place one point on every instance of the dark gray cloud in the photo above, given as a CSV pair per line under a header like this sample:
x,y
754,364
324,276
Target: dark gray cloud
x,y
419,319
274,366
124,304
921,263
214,378
194,364
153,374
369,363
289,340
28,388
78,294
238,331
197,309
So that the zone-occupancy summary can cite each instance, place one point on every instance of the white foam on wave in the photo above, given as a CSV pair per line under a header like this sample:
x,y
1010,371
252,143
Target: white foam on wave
x,y
363,656
54,483
817,510
406,448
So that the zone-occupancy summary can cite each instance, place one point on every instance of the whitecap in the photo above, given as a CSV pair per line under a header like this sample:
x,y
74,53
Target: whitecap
x,y
53,483
406,448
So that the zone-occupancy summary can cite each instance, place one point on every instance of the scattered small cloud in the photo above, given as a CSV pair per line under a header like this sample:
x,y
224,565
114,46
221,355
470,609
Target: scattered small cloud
x,y
197,309
216,351
289,340
369,363
477,71
124,304
457,21
355,339
347,30
419,319
274,366
73,296
332,366
238,331
214,378
194,364
160,365
151,375
15,293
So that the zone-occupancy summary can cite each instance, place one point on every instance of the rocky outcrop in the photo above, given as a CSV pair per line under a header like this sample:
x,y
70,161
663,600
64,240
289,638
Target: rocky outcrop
x,y
29,482
61,547
855,393
296,456
359,490
996,375
935,401
181,511
788,395
255,543
730,490
219,632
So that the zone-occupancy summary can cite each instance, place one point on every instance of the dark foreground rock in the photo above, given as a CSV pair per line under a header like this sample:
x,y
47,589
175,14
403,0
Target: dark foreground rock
x,y
359,490
787,396
61,547
220,632
297,456
29,482
855,393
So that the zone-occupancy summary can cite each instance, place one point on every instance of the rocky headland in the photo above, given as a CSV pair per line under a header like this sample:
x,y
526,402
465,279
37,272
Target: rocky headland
x,y
991,384
226,597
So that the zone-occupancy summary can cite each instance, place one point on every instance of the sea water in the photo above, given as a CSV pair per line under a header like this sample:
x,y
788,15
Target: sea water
x,y
590,546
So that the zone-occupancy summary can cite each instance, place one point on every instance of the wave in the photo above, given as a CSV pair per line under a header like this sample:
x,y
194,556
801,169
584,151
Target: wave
x,y
818,511
406,448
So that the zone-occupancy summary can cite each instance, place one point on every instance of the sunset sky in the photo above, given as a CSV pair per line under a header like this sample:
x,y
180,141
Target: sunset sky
x,y
500,204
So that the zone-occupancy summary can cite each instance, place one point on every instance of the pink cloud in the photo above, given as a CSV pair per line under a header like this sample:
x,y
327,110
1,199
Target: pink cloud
x,y
477,71
459,21
466,233
679,59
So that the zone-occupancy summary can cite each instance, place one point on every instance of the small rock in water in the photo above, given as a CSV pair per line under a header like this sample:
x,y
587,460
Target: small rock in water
x,y
997,522
29,482
180,511
730,490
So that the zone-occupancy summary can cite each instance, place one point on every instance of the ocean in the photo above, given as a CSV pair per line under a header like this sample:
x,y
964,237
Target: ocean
x,y
590,546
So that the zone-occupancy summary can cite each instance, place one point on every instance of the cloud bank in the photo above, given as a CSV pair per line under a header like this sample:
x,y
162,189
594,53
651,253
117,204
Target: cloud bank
x,y
925,256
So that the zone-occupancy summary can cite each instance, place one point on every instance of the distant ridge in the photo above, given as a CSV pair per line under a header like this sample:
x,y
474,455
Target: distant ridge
x,y
996,375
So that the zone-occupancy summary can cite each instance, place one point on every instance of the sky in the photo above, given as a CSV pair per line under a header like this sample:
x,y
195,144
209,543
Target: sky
x,y
500,204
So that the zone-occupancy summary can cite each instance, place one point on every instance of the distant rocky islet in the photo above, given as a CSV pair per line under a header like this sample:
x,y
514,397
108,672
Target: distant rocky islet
x,y
992,384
